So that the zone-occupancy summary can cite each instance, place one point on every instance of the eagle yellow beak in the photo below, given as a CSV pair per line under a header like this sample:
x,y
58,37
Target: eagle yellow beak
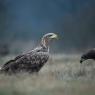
x,y
55,36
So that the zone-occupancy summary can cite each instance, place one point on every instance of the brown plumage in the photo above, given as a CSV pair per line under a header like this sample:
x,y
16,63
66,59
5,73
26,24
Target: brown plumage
x,y
30,62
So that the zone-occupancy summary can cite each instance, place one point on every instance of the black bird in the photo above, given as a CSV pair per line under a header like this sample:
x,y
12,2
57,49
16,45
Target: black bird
x,y
88,55
33,61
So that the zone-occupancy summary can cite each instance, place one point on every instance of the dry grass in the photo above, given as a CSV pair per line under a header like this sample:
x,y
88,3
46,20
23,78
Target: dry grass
x,y
63,75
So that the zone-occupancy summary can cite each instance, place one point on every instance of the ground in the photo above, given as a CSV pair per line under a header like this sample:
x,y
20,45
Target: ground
x,y
62,75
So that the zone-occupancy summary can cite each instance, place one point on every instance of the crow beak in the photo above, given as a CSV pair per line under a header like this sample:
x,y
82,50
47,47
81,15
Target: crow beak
x,y
81,61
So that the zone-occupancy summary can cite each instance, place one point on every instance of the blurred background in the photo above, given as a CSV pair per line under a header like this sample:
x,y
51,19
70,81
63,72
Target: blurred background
x,y
23,23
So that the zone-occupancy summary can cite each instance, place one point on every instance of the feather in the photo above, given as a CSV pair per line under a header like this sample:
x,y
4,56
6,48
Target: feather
x,y
30,62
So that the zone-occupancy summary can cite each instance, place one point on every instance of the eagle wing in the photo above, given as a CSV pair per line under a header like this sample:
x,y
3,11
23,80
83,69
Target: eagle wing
x,y
30,62
10,61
